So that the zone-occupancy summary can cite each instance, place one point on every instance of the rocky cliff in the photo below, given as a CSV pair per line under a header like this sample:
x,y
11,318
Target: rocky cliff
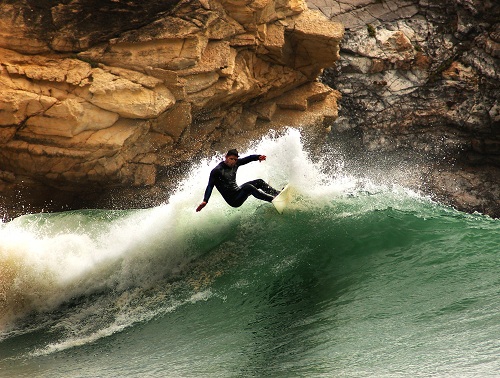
x,y
103,96
424,77
99,95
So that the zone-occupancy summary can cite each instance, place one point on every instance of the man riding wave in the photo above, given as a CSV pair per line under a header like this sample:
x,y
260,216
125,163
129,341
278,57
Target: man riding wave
x,y
223,177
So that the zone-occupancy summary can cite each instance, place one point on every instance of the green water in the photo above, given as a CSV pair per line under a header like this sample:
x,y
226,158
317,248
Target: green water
x,y
353,280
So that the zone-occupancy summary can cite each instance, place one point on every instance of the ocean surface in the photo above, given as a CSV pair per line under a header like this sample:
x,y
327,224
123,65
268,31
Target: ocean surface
x,y
357,278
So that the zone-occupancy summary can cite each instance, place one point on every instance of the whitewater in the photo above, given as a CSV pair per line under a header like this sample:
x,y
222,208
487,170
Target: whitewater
x,y
359,277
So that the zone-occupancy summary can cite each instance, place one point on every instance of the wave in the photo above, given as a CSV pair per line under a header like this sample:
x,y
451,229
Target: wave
x,y
88,274
49,259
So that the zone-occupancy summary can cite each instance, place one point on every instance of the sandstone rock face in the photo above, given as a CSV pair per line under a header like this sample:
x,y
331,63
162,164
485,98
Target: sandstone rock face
x,y
139,87
425,76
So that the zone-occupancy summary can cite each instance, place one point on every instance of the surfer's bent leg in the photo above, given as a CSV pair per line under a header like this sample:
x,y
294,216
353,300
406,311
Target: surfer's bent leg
x,y
262,185
249,189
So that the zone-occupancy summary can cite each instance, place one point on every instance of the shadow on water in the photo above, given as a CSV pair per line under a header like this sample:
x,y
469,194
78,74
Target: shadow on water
x,y
299,279
286,325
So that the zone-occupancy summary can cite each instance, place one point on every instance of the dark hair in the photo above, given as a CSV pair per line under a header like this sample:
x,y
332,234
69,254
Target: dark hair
x,y
232,152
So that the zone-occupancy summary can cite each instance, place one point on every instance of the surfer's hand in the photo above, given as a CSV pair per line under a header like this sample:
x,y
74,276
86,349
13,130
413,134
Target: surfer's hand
x,y
262,157
201,206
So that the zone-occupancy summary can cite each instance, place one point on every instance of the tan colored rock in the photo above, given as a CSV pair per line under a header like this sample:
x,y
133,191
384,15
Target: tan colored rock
x,y
300,98
17,105
13,34
276,79
219,28
112,138
41,159
7,133
174,122
69,118
143,174
244,40
116,136
147,81
198,82
125,98
170,54
218,57
320,113
171,79
117,105
274,45
40,68
288,8
315,43
266,110
250,13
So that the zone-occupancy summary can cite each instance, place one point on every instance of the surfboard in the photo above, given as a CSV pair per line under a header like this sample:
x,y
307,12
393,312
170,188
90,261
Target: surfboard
x,y
282,200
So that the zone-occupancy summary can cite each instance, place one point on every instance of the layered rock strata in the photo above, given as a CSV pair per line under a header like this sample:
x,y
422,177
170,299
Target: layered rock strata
x,y
424,76
98,95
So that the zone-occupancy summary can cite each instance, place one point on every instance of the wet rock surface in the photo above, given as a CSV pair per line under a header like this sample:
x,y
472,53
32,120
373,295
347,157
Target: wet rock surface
x,y
424,77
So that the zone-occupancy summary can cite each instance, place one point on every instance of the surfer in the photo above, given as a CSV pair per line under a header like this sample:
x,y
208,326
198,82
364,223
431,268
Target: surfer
x,y
223,177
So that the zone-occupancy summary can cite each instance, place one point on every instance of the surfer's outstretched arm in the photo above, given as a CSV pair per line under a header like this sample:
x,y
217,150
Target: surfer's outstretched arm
x,y
208,190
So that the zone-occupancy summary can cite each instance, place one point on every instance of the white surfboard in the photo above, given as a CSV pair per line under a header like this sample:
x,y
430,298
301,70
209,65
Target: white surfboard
x,y
282,200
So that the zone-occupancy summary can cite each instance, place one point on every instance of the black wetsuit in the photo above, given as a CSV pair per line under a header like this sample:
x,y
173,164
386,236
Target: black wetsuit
x,y
223,177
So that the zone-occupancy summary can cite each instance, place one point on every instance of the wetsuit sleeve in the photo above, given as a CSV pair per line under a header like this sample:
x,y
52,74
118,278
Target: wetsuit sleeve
x,y
210,186
248,159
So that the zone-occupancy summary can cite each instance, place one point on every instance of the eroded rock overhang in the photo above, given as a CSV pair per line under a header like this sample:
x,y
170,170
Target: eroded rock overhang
x,y
107,94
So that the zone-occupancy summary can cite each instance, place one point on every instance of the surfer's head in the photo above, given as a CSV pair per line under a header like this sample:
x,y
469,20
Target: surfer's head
x,y
232,152
231,157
